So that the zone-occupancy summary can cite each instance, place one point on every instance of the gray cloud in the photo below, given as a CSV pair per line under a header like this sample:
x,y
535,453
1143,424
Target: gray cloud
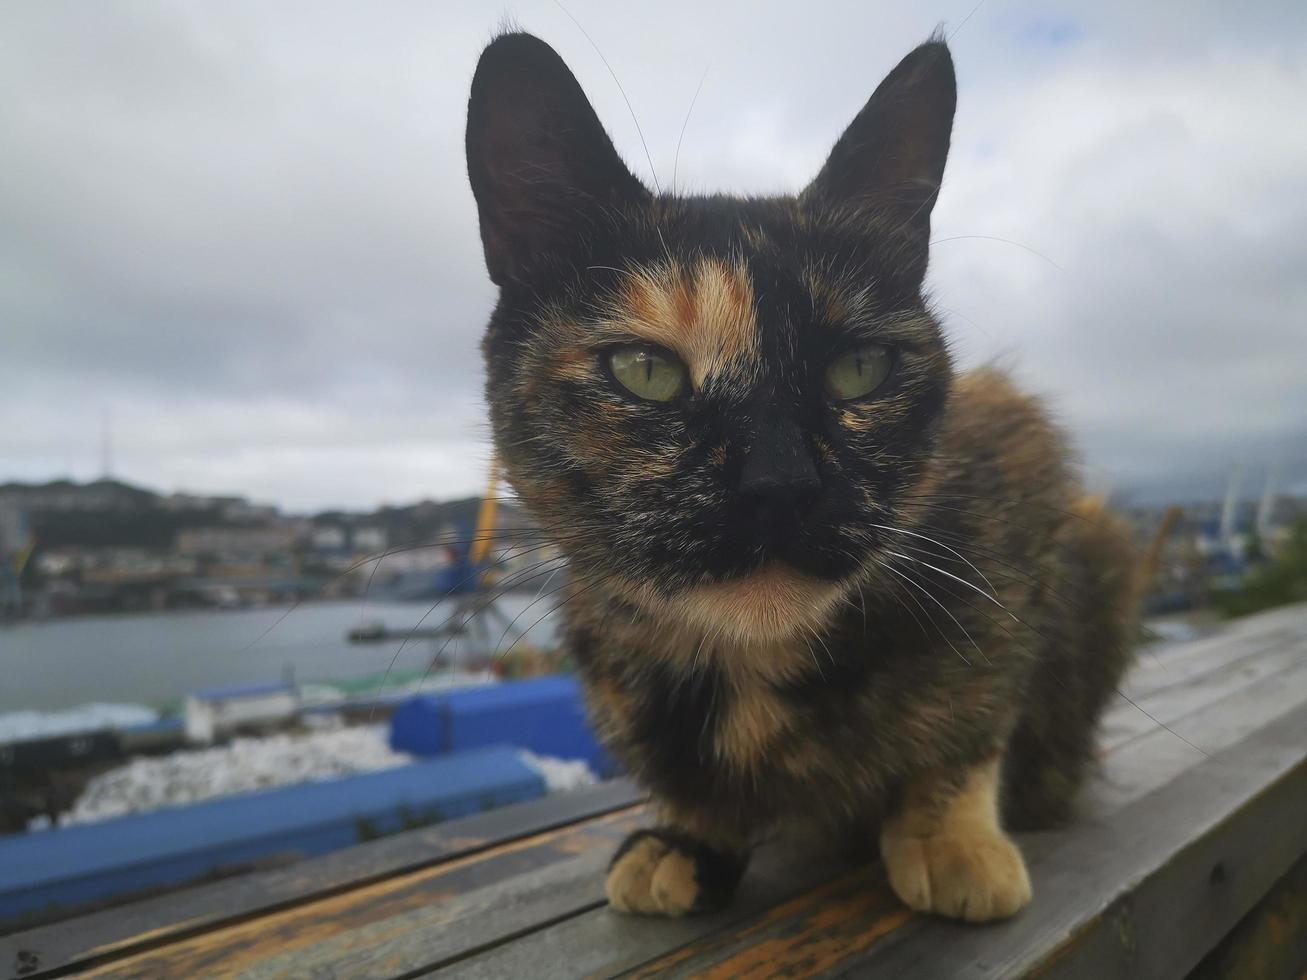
x,y
245,228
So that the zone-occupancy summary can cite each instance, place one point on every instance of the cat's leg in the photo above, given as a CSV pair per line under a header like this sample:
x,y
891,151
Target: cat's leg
x,y
945,851
683,866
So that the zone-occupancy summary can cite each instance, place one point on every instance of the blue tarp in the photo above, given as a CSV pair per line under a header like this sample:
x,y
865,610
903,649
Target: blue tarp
x,y
73,865
543,714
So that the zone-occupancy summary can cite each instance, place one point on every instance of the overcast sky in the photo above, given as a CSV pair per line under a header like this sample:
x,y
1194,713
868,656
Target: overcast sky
x,y
243,232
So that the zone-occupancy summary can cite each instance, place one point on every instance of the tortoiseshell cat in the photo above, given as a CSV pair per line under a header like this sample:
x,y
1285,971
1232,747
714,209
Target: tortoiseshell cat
x,y
819,579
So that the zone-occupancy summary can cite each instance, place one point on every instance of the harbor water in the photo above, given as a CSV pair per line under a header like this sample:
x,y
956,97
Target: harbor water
x,y
157,658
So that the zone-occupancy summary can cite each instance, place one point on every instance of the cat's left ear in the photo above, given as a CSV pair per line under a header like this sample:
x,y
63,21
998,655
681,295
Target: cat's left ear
x,y
890,161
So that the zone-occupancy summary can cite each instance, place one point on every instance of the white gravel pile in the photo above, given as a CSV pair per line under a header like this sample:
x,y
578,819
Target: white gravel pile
x,y
561,775
243,765
18,726
261,763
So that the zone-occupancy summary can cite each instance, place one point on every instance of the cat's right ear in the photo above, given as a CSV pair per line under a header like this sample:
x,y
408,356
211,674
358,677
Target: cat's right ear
x,y
541,166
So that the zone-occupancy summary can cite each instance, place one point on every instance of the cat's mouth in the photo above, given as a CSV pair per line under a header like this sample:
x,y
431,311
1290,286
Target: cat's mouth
x,y
771,603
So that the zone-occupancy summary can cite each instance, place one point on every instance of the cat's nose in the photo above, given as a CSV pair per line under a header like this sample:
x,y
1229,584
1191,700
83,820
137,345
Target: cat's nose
x,y
778,472
796,491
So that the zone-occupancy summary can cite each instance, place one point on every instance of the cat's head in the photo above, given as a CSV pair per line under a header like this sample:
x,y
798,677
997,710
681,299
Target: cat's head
x,y
710,402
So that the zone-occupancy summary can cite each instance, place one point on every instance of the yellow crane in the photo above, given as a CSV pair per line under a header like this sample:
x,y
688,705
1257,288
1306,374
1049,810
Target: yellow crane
x,y
24,556
483,536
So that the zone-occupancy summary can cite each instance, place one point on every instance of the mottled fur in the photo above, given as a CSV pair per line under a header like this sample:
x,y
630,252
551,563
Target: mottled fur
x,y
925,641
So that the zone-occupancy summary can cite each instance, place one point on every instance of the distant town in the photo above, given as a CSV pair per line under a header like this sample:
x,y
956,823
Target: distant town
x,y
108,546
1211,553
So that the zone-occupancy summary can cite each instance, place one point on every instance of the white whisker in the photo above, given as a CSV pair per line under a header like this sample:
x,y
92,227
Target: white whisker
x,y
969,585
947,612
960,556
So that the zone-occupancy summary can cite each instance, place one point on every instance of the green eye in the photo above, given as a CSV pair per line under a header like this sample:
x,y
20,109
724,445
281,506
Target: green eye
x,y
857,373
647,372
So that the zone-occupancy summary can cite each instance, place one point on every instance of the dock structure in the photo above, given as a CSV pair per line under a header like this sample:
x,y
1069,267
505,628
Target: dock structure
x,y
218,711
1189,860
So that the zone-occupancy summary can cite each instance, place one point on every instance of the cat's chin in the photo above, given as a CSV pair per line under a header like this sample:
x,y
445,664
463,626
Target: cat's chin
x,y
774,603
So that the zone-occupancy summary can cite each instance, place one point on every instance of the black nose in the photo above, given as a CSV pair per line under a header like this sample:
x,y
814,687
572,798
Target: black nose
x,y
770,486
778,469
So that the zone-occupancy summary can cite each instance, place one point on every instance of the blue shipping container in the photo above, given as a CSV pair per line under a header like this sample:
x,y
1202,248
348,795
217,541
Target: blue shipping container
x,y
73,865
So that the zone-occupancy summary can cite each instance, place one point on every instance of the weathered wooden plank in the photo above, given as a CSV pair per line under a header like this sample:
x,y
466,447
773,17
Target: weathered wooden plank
x,y
1148,893
1187,662
1144,763
1270,942
592,941
445,929
1233,637
1184,694
1270,619
304,939
118,932
805,936
1160,667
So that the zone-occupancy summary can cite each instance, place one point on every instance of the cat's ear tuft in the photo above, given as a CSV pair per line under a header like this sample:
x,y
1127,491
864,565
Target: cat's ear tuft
x,y
539,161
890,160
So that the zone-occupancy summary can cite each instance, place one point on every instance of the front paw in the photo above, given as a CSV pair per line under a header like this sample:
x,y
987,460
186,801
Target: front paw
x,y
660,872
978,878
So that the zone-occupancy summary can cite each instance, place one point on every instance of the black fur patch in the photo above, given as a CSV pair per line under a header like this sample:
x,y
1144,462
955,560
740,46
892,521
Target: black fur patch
x,y
677,720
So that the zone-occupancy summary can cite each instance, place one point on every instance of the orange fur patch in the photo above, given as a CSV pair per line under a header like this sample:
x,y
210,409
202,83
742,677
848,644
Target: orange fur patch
x,y
704,313
653,879
752,724
768,609
773,602
945,852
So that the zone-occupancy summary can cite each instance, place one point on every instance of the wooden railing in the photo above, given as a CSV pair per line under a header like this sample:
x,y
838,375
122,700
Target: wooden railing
x,y
1188,859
